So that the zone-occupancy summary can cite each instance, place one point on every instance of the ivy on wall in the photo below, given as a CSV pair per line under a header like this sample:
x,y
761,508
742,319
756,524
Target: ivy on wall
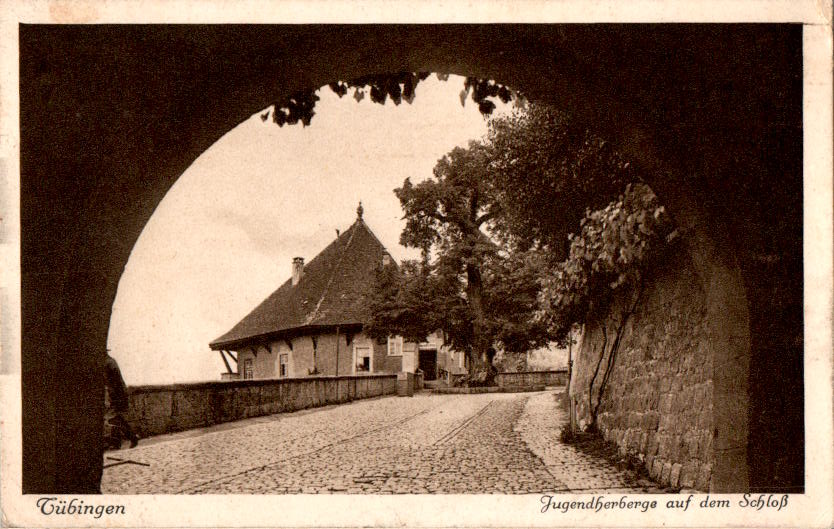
x,y
608,255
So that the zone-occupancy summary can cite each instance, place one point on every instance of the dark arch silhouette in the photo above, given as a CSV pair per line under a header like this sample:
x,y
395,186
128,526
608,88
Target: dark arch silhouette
x,y
111,116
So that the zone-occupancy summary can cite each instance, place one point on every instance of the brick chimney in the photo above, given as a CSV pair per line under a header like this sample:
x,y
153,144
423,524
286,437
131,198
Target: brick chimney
x,y
297,269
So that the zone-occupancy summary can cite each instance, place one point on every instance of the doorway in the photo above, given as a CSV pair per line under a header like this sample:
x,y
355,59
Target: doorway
x,y
428,363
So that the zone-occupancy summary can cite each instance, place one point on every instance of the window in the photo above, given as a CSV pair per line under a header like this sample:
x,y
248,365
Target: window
x,y
395,346
248,372
363,359
282,365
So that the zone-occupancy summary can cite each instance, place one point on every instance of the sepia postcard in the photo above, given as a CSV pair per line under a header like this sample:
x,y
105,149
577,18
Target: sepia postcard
x,y
416,264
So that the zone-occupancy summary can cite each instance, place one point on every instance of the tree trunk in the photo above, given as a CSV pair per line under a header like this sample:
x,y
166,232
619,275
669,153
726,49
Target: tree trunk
x,y
478,360
477,363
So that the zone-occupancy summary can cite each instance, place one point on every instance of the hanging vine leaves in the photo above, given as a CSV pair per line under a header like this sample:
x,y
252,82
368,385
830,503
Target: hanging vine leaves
x,y
299,107
611,250
397,87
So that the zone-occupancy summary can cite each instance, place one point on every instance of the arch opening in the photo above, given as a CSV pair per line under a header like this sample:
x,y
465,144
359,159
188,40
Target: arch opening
x,y
585,364
257,198
543,65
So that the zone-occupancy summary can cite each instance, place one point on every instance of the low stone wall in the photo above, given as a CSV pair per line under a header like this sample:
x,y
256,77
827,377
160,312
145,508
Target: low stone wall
x,y
557,377
156,410
489,389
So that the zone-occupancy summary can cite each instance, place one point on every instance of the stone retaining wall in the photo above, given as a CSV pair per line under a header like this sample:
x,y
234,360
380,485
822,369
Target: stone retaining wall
x,y
658,404
156,410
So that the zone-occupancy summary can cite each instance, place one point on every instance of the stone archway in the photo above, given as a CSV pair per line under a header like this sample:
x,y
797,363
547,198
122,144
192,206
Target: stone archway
x,y
112,116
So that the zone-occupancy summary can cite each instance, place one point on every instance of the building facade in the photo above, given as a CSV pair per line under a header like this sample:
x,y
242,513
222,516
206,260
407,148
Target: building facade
x,y
312,324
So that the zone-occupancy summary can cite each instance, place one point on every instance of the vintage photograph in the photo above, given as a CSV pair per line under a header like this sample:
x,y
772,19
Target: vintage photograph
x,y
412,259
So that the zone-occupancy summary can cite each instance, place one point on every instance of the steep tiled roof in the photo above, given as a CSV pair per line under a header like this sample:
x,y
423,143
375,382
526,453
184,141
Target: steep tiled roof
x,y
334,290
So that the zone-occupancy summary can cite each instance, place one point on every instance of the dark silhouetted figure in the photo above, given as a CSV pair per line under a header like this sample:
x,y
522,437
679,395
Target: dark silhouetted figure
x,y
116,428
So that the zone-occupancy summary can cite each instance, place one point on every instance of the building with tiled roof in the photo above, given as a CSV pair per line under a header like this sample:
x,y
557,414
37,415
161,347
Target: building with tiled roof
x,y
312,324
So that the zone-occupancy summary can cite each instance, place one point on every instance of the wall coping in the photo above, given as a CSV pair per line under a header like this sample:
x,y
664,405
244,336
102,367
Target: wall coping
x,y
250,383
270,381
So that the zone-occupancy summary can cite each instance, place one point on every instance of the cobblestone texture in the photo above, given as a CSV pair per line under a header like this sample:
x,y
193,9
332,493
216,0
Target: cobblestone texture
x,y
578,471
490,443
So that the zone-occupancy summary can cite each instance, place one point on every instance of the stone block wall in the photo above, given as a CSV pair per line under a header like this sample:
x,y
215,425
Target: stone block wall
x,y
156,410
658,404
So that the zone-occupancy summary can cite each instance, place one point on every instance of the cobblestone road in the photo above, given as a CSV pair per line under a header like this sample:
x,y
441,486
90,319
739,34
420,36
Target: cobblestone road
x,y
488,443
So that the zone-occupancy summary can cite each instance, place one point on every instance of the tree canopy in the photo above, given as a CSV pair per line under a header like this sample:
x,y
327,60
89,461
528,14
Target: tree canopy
x,y
403,303
466,284
446,213
547,170
522,235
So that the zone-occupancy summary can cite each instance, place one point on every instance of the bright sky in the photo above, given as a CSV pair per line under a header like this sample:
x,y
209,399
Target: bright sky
x,y
224,237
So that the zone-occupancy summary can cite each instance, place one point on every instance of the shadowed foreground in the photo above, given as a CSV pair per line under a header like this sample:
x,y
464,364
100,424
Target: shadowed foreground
x,y
455,444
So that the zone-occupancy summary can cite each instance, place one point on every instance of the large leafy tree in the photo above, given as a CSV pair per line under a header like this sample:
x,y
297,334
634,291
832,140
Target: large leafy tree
x,y
530,229
473,289
447,214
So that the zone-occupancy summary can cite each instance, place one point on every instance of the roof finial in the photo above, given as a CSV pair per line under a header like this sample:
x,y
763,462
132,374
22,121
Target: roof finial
x,y
360,210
